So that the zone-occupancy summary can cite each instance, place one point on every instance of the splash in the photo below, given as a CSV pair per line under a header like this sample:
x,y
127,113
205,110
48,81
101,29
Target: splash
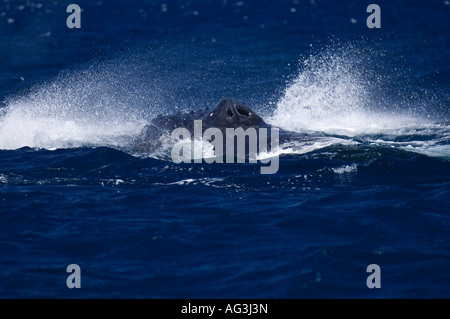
x,y
103,105
333,93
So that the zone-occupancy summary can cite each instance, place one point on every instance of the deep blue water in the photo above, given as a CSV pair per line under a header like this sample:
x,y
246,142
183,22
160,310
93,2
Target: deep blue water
x,y
375,191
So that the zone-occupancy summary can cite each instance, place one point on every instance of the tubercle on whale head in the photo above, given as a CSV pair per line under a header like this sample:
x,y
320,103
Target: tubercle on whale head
x,y
229,113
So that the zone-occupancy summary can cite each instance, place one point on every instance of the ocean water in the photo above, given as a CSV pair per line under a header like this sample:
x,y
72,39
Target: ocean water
x,y
375,190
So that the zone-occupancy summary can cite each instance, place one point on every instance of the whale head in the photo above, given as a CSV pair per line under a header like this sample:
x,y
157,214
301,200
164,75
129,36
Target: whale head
x,y
229,113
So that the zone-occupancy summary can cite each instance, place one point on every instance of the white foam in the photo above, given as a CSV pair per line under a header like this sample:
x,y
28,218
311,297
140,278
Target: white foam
x,y
208,181
345,169
19,128
299,147
3,179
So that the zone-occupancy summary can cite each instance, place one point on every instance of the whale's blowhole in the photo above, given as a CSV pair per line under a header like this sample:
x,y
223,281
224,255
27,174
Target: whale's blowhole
x,y
242,111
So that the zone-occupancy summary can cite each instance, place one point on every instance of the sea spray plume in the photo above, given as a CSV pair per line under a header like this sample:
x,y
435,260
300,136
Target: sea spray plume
x,y
99,105
328,85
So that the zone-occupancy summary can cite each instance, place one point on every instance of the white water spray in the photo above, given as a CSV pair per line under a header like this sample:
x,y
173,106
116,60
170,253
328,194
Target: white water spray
x,y
331,94
101,106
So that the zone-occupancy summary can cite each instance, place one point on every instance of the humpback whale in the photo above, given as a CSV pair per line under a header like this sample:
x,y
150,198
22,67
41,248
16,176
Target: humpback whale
x,y
228,114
